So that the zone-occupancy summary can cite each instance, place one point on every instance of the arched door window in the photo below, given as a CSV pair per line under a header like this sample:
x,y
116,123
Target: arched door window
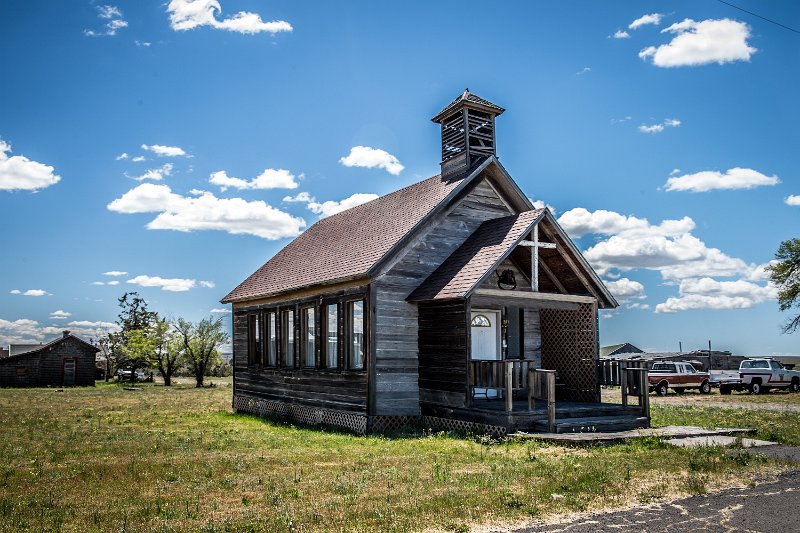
x,y
481,321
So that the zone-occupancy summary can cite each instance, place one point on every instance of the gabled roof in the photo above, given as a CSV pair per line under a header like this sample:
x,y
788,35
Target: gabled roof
x,y
615,349
482,252
42,347
470,100
348,244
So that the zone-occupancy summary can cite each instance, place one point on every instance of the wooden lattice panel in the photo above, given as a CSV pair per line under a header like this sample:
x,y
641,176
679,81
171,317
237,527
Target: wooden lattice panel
x,y
450,424
304,415
569,345
390,424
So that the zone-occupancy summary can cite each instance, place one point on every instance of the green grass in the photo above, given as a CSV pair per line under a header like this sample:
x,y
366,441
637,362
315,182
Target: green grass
x,y
177,459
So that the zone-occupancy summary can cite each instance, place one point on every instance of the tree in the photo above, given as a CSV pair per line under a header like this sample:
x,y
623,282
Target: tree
x,y
785,274
168,349
200,342
134,340
111,349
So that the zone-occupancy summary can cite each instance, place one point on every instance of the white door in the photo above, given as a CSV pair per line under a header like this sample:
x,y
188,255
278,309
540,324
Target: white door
x,y
485,335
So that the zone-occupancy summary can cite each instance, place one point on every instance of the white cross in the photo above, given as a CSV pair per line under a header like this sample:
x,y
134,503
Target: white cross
x,y
534,245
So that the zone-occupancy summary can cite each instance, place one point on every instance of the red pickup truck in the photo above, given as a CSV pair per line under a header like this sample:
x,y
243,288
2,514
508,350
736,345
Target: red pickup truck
x,y
678,376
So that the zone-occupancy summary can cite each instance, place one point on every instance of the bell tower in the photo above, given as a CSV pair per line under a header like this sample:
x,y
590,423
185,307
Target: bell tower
x,y
467,132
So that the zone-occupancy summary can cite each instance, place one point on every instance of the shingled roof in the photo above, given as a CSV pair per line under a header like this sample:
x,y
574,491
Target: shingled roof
x,y
346,245
469,98
479,254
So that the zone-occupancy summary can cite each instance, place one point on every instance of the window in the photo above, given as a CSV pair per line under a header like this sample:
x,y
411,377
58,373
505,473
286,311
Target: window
x,y
664,367
332,346
272,345
22,371
287,339
355,334
481,321
776,365
309,338
254,340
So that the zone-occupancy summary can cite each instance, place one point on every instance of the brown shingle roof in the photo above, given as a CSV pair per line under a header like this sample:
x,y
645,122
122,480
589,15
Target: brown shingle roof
x,y
345,245
478,254
468,98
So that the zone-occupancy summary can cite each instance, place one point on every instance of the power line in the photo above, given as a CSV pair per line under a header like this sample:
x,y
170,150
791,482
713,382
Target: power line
x,y
757,15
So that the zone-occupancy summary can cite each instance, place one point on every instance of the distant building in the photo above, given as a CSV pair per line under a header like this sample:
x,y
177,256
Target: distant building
x,y
3,353
65,361
714,360
616,349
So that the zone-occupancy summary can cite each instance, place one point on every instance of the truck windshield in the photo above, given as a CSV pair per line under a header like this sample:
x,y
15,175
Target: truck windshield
x,y
663,367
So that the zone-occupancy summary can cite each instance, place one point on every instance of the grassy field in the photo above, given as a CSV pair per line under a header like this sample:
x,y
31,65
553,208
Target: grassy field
x,y
177,459
774,397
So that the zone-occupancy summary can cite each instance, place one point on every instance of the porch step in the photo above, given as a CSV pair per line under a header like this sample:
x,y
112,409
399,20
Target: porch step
x,y
595,424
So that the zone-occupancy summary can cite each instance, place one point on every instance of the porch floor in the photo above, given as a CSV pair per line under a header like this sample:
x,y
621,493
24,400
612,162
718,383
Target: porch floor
x,y
563,409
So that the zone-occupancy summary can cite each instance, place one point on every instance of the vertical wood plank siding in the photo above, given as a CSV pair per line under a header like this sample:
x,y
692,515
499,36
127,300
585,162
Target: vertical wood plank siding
x,y
46,367
443,352
396,339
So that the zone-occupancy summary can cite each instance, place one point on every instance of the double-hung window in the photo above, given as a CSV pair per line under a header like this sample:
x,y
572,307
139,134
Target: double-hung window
x,y
308,338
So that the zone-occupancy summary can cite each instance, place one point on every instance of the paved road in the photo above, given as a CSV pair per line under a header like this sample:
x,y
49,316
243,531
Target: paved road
x,y
769,507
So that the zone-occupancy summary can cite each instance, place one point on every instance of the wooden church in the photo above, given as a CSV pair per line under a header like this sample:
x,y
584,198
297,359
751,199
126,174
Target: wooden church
x,y
452,302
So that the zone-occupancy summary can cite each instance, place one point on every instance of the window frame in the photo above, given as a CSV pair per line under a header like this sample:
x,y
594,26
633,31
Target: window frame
x,y
308,361
349,333
288,338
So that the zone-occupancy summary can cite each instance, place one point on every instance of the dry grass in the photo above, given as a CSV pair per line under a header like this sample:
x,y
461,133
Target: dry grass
x,y
177,459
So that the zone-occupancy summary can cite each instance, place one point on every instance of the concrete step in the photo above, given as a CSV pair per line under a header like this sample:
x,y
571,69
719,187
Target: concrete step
x,y
594,424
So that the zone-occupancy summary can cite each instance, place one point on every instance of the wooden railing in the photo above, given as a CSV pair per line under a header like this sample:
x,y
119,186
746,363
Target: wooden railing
x,y
634,384
609,371
509,376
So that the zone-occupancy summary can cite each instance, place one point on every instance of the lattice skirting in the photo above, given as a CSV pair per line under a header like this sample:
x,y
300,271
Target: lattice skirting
x,y
450,424
389,424
305,415
569,345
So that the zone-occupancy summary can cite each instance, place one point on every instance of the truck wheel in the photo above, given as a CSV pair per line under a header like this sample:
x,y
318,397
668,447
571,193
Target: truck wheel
x,y
795,386
705,388
756,388
661,389
725,389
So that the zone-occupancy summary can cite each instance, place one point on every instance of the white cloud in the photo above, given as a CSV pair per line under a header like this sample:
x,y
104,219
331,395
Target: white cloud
x,y
123,155
269,178
793,199
584,70
207,284
115,273
30,292
701,43
115,22
626,290
98,283
674,171
220,310
621,34
707,293
709,180
165,284
143,44
27,331
190,14
579,221
114,282
60,314
302,197
326,209
89,324
638,305
367,157
155,174
18,173
164,151
658,128
207,212
138,159
652,18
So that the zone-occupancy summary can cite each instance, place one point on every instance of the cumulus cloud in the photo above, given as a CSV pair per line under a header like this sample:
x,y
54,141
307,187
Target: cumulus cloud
x,y
644,20
165,284
701,43
708,293
626,290
220,310
114,19
621,34
326,209
164,151
793,199
207,212
27,331
18,173
302,197
658,128
155,174
122,156
709,180
207,284
115,273
138,159
367,157
30,292
60,314
270,178
190,14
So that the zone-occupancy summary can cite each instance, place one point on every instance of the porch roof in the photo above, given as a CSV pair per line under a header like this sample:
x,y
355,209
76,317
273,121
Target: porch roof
x,y
477,256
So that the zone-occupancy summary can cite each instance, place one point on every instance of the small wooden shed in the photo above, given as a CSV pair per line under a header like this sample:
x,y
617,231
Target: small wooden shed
x,y
64,362
452,301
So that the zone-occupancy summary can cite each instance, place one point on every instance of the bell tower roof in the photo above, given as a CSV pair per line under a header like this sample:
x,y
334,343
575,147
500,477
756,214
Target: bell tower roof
x,y
467,99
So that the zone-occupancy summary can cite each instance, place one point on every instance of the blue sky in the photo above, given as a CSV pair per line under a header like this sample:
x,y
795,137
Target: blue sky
x,y
664,135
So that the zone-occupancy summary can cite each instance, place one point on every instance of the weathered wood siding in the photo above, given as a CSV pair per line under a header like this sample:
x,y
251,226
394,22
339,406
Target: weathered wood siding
x,y
523,281
336,390
443,339
46,367
396,339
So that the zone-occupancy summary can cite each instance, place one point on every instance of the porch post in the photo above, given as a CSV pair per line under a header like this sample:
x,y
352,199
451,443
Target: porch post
x,y
509,385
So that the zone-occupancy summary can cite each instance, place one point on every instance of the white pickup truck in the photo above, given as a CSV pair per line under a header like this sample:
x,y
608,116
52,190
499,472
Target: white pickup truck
x,y
760,375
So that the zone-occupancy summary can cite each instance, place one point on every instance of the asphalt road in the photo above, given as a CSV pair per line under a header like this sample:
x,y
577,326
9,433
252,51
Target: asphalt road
x,y
770,507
